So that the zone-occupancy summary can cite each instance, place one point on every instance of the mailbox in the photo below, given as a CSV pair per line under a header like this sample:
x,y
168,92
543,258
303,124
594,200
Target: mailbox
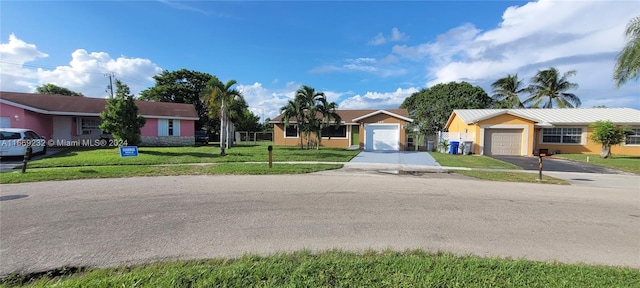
x,y
543,152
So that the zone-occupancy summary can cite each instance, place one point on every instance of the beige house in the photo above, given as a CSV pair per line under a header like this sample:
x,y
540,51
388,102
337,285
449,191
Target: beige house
x,y
525,131
372,130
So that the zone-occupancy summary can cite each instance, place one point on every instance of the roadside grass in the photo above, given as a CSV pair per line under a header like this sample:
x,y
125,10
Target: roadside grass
x,y
511,176
71,173
471,161
412,268
191,154
620,162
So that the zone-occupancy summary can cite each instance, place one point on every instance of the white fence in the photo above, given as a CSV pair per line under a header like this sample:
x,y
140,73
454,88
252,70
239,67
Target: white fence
x,y
444,138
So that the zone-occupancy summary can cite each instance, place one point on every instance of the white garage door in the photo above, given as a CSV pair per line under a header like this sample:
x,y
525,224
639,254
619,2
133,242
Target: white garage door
x,y
502,142
5,122
382,137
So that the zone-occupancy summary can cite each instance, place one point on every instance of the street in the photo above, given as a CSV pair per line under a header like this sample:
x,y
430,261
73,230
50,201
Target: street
x,y
106,222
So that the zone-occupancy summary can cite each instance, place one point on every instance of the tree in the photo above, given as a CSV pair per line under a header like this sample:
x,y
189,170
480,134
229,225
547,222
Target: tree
x,y
293,109
121,117
219,99
628,63
56,90
308,97
548,87
182,86
607,134
328,112
506,90
431,107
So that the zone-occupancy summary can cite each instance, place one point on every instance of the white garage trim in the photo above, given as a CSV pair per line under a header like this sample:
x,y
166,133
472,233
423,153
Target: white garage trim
x,y
393,142
525,136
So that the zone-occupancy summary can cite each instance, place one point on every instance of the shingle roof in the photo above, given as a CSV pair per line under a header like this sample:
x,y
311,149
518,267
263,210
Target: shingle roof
x,y
348,115
558,116
74,105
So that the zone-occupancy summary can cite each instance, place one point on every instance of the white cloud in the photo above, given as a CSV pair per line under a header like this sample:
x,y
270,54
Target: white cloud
x,y
375,100
536,36
85,72
395,36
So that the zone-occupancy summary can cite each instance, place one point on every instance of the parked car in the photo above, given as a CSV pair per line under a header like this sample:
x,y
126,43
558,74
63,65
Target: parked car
x,y
14,142
202,137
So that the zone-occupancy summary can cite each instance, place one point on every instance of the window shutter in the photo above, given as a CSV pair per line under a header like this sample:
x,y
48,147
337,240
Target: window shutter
x,y
176,128
163,127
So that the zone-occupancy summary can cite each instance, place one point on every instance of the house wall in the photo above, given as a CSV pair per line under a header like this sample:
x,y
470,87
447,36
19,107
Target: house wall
x,y
384,118
149,134
150,128
587,146
280,140
11,112
40,123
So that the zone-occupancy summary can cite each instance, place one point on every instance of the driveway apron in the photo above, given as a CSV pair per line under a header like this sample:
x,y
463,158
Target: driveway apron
x,y
401,158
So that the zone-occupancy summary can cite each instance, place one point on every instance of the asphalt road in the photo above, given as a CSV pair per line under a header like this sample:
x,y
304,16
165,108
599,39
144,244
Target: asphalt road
x,y
105,222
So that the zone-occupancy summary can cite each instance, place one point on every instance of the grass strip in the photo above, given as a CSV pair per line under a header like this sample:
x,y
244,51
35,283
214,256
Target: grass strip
x,y
412,268
471,161
71,173
511,176
619,162
197,154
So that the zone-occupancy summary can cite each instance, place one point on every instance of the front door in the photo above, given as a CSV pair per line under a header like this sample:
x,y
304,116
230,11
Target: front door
x,y
62,128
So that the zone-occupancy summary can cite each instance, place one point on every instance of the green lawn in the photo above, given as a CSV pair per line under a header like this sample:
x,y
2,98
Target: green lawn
x,y
340,269
620,162
504,176
70,173
471,161
196,154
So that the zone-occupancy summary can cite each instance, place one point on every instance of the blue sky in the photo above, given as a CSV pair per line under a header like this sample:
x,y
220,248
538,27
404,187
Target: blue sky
x,y
362,54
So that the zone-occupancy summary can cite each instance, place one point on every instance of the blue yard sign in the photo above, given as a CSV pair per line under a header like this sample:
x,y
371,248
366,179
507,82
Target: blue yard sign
x,y
128,151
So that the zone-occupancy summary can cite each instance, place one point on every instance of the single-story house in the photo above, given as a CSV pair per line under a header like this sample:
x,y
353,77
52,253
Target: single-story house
x,y
68,120
373,130
525,131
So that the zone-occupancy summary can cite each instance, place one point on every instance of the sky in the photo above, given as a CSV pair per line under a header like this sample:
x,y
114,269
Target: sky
x,y
361,54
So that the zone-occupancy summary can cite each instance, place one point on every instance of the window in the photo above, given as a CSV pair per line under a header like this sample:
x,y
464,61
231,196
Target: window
x,y
333,131
633,138
168,127
562,135
291,131
90,126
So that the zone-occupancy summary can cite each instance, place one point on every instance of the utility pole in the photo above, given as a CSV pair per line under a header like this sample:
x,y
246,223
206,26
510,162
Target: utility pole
x,y
110,87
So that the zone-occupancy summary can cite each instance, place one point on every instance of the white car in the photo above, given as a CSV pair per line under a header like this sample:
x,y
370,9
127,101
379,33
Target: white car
x,y
14,142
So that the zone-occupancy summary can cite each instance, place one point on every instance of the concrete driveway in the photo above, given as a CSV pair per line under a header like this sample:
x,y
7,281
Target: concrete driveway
x,y
395,157
104,222
555,164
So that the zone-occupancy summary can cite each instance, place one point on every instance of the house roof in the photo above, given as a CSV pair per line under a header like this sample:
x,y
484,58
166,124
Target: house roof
x,y
551,117
353,116
89,106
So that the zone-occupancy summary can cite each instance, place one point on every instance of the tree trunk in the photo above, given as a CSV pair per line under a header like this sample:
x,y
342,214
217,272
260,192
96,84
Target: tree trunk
x,y
606,151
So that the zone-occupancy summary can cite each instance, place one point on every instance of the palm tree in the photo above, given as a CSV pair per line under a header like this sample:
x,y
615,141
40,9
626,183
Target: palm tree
x,y
548,87
218,98
507,89
628,63
328,112
307,96
293,109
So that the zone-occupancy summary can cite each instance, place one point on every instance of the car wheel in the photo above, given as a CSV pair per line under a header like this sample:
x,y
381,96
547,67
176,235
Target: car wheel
x,y
44,150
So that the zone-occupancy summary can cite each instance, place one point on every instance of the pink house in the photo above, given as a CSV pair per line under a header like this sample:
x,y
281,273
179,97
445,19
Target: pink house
x,y
69,119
